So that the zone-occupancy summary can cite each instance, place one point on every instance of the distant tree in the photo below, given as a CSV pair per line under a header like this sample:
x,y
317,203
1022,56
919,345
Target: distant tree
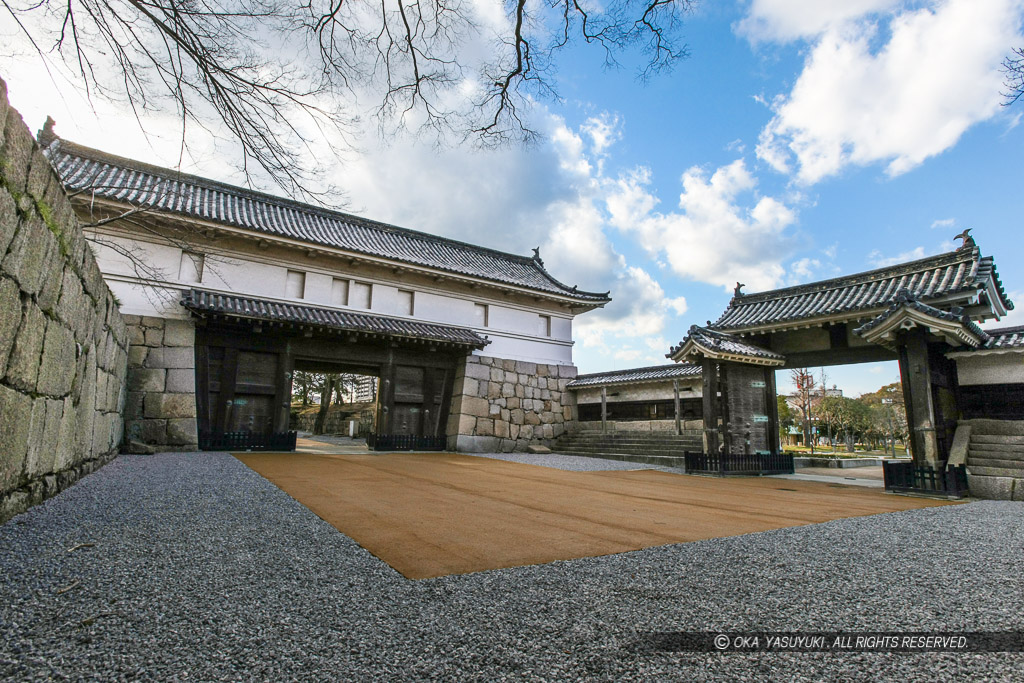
x,y
787,418
805,385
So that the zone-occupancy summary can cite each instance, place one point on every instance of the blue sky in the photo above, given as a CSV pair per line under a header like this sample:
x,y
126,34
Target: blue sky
x,y
801,140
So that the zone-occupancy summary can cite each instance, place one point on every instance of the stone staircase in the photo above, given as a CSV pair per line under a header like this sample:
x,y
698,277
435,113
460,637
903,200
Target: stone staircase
x,y
664,448
994,458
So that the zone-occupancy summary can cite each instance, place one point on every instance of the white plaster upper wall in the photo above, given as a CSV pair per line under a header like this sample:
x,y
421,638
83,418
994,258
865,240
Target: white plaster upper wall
x,y
999,368
506,325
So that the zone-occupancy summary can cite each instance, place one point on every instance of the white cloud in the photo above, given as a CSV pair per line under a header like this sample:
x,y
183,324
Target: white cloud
x,y
943,223
785,20
895,93
723,232
879,260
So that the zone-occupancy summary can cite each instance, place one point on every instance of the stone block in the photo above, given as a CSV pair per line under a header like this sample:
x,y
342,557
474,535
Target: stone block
x,y
476,371
512,402
72,298
991,488
8,218
179,333
39,174
15,419
538,450
484,427
10,318
154,431
23,364
132,319
154,337
466,424
182,432
567,413
469,387
29,252
494,409
543,370
497,375
484,360
65,455
547,431
567,371
507,364
507,445
1018,490
526,368
501,429
58,356
132,430
557,430
42,454
520,391
165,406
153,322
513,431
50,291
518,416
526,432
181,381
476,444
136,335
147,379
531,418
137,356
475,406
547,417
493,390
17,153
505,414
508,390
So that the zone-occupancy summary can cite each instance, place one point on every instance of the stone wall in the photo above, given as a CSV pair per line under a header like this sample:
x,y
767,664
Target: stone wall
x,y
160,413
501,405
63,344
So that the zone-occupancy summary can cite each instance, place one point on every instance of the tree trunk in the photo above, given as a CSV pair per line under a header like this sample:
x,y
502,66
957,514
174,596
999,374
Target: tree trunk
x,y
325,403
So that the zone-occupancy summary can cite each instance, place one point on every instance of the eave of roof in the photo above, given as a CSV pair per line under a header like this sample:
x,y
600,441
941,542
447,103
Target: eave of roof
x,y
953,278
907,312
137,184
1000,340
230,306
656,373
701,341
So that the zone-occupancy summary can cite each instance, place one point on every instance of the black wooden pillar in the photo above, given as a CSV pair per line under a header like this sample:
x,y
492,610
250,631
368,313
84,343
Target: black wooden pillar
x,y
772,408
386,393
915,378
710,401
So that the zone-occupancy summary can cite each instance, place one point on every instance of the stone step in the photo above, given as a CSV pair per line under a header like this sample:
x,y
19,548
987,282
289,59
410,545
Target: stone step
x,y
1018,465
980,471
987,451
1012,440
994,427
664,461
623,451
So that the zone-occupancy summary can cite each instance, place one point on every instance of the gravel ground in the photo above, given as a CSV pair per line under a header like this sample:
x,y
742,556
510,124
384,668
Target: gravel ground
x,y
199,569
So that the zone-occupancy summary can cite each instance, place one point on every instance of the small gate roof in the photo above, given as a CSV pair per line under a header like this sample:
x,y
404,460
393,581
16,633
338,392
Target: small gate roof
x,y
205,302
960,277
637,375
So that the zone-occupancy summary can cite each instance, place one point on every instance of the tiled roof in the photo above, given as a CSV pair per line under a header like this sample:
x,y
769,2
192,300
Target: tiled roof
x,y
227,305
1005,338
962,272
161,189
720,344
634,375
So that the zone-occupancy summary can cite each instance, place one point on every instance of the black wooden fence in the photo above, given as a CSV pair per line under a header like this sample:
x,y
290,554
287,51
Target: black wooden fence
x,y
247,441
406,442
906,477
739,463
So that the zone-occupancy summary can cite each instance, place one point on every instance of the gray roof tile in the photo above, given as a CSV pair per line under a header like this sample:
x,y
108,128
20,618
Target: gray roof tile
x,y
635,375
961,271
714,340
905,298
250,308
161,189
